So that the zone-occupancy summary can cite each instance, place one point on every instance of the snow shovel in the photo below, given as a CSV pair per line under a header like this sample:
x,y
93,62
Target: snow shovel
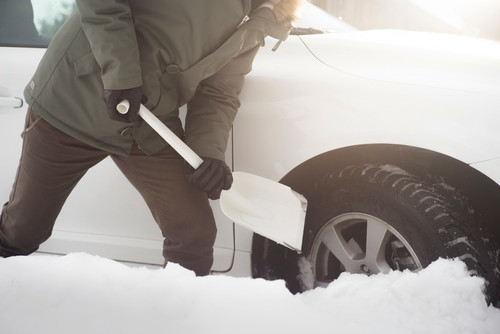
x,y
263,206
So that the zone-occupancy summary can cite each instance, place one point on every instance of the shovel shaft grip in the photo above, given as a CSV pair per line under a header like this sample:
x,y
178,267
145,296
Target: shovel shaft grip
x,y
177,144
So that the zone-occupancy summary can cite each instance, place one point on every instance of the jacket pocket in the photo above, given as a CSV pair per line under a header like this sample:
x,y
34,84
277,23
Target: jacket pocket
x,y
32,119
86,65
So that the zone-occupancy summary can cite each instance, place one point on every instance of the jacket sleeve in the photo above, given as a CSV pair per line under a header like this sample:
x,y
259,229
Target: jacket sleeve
x,y
210,113
110,31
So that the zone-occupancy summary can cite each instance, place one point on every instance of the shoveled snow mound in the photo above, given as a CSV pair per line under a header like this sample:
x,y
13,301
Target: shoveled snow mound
x,y
80,293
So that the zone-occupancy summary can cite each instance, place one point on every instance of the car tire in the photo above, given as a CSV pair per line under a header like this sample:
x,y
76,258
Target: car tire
x,y
372,218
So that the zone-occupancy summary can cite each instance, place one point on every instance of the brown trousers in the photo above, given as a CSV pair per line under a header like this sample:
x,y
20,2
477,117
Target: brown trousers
x,y
51,165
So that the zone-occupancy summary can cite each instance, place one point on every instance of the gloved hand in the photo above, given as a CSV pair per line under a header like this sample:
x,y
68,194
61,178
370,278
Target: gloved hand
x,y
212,177
113,97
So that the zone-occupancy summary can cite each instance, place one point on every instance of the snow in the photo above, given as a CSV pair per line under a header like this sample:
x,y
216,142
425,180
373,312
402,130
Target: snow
x,y
80,293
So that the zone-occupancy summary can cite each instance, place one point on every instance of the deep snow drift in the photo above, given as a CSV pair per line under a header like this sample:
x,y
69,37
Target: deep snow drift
x,y
79,293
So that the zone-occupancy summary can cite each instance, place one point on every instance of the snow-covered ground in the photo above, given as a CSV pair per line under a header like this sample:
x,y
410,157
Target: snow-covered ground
x,y
80,293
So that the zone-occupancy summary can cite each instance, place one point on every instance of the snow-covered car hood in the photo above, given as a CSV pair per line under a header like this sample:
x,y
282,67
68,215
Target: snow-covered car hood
x,y
417,58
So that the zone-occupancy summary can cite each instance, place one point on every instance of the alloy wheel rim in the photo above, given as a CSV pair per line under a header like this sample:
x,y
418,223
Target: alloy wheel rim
x,y
359,243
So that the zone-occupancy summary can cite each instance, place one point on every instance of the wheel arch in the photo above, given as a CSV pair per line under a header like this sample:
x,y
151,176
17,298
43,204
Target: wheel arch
x,y
484,192
480,189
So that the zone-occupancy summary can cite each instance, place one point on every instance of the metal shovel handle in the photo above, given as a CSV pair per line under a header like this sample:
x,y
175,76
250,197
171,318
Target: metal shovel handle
x,y
177,144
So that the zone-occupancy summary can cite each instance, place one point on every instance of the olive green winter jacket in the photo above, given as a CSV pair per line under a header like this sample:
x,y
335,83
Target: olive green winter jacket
x,y
180,51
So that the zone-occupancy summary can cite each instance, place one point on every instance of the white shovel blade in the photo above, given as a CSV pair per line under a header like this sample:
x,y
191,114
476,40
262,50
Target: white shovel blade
x,y
266,207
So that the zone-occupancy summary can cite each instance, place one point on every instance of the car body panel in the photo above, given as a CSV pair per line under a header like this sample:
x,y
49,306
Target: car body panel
x,y
417,58
302,111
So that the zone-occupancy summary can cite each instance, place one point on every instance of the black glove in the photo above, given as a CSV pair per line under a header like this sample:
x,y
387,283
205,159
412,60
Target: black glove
x,y
212,177
113,97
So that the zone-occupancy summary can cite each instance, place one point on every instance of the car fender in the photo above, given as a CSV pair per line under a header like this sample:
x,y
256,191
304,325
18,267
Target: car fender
x,y
295,107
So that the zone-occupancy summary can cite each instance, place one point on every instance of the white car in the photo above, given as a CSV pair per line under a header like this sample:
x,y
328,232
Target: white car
x,y
392,136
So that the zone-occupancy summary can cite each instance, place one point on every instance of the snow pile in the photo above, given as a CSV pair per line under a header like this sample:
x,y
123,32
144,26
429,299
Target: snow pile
x,y
79,293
